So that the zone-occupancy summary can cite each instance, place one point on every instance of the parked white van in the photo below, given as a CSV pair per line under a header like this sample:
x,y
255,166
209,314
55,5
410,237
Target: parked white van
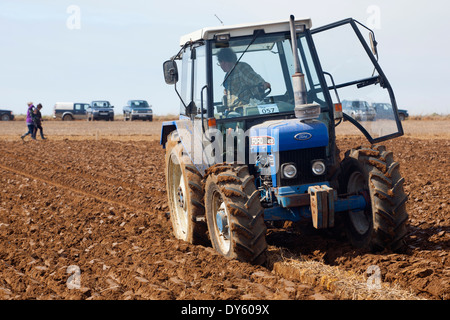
x,y
68,111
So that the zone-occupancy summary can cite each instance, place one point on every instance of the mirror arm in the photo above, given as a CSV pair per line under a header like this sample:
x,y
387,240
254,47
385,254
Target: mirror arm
x,y
179,96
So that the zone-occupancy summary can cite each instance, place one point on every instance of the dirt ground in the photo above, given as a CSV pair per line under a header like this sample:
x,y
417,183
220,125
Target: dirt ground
x,y
83,215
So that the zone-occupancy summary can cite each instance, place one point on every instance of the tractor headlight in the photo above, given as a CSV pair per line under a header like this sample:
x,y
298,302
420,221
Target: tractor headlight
x,y
318,167
289,171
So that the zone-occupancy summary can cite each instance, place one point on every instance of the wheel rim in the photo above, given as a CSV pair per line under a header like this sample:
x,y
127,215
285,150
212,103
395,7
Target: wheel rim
x,y
359,219
178,199
221,225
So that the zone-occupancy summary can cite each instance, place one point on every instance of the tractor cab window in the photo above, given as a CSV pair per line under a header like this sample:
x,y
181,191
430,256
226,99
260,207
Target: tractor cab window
x,y
193,79
78,107
252,76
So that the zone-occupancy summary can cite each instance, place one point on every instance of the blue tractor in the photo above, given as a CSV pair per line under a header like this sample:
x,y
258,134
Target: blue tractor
x,y
255,142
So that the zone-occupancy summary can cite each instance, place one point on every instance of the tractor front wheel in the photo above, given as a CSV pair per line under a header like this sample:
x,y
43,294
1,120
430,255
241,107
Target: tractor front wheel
x,y
234,214
373,173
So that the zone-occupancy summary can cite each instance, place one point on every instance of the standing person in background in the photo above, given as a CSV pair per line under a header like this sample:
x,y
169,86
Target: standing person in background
x,y
30,123
38,121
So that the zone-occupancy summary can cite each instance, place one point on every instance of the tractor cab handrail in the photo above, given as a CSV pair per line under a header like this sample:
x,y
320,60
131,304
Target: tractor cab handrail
x,y
360,83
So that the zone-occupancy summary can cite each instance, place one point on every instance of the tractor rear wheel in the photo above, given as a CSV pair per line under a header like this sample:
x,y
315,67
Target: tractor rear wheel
x,y
185,194
373,173
234,214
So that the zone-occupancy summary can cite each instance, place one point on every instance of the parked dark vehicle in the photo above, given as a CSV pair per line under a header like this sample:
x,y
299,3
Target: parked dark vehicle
x,y
68,111
137,109
6,115
384,110
100,110
358,110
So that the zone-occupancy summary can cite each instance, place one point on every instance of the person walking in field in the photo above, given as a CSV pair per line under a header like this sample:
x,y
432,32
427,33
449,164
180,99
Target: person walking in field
x,y
30,122
38,121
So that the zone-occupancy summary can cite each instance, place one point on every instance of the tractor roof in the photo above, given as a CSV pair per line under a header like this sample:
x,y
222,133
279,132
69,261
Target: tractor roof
x,y
242,29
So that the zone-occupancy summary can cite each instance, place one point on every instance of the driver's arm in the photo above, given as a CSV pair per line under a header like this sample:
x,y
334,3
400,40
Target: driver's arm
x,y
243,79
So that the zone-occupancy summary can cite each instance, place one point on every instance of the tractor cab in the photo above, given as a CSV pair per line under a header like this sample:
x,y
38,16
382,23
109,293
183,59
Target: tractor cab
x,y
256,83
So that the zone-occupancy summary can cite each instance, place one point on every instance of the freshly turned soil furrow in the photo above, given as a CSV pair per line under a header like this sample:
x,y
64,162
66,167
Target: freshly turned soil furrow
x,y
101,206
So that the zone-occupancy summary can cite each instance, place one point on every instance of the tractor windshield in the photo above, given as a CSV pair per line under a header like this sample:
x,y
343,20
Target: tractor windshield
x,y
101,104
252,76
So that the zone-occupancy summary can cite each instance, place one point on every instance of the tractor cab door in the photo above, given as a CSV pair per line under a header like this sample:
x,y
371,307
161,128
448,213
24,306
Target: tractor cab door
x,y
193,96
350,63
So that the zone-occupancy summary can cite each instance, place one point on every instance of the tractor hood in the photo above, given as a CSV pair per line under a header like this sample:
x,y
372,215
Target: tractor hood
x,y
284,135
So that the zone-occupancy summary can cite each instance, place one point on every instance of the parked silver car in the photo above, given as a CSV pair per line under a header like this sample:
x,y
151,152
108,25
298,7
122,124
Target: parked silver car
x,y
358,110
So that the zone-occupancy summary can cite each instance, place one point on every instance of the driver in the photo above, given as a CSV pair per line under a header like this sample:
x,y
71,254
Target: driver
x,y
241,82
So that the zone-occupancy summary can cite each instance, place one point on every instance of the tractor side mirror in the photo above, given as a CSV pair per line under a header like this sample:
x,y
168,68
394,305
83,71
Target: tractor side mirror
x,y
170,72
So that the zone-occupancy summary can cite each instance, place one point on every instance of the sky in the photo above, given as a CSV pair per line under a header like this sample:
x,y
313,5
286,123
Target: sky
x,y
84,50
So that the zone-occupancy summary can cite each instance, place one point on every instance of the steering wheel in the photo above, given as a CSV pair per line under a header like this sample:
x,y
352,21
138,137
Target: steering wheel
x,y
261,92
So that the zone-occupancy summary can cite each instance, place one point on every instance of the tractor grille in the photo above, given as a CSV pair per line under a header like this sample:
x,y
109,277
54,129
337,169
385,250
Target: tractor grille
x,y
302,159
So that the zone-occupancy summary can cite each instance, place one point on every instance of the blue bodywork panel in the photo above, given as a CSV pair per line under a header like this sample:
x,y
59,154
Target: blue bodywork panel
x,y
284,135
285,195
271,137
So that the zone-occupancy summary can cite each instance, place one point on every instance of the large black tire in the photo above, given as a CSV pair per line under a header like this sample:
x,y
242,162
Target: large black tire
x,y
373,173
234,214
185,194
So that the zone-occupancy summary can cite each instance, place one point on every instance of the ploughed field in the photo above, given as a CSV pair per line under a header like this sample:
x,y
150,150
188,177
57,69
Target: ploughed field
x,y
83,215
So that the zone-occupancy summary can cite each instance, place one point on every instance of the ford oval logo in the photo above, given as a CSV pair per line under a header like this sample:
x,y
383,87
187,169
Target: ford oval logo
x,y
302,136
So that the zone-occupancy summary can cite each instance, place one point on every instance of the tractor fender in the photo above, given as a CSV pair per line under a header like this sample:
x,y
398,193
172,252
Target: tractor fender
x,y
166,128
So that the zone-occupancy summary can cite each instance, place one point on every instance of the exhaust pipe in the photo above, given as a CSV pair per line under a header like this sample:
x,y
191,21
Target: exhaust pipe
x,y
298,78
303,111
